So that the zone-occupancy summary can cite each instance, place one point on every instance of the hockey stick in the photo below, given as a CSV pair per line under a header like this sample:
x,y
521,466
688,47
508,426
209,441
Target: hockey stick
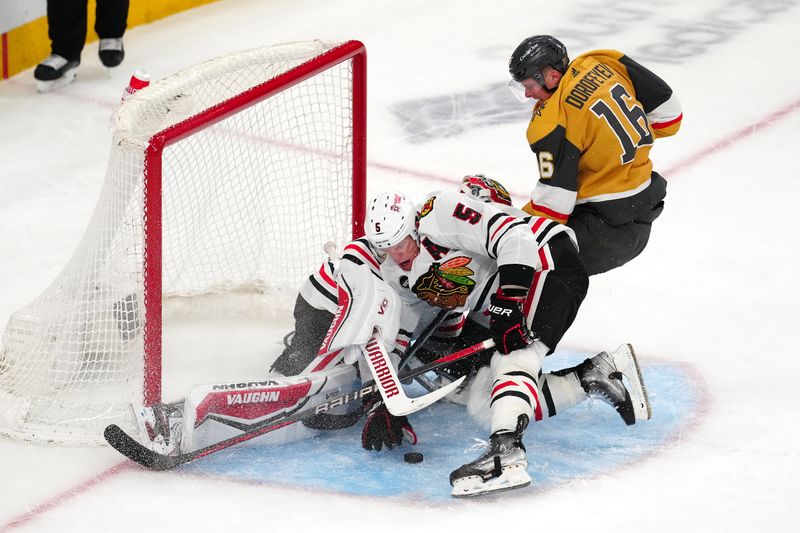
x,y
132,449
423,338
388,384
326,421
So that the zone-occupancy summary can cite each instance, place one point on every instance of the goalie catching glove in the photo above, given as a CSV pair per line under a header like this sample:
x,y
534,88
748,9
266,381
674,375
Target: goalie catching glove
x,y
383,428
507,321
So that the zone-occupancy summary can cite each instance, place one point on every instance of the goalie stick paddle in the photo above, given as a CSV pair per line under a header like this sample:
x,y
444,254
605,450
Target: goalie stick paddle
x,y
132,449
388,384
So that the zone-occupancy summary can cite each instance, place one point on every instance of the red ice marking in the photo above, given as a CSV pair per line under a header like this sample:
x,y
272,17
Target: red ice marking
x,y
64,497
732,138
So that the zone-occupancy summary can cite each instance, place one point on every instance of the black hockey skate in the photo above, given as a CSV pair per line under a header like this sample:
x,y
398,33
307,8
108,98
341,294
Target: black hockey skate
x,y
503,467
616,380
55,72
111,52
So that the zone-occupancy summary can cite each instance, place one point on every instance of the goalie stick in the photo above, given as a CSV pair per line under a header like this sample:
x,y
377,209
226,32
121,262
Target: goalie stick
x,y
132,449
423,337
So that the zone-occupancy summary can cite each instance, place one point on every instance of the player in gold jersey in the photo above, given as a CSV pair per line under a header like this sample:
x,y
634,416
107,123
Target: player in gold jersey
x,y
594,122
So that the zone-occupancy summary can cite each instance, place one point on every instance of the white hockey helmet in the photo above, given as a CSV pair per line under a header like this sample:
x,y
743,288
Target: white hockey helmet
x,y
391,217
485,189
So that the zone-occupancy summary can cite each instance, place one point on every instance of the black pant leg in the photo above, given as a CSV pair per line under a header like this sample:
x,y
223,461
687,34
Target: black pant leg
x,y
310,327
66,26
605,246
112,18
565,287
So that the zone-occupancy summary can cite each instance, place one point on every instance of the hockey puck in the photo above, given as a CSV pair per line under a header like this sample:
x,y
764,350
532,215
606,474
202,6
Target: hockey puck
x,y
412,457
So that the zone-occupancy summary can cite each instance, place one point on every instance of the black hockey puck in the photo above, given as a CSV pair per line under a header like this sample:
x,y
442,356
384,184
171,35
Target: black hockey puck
x,y
412,457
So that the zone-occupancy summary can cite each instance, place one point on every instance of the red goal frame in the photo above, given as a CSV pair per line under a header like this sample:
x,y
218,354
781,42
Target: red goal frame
x,y
354,50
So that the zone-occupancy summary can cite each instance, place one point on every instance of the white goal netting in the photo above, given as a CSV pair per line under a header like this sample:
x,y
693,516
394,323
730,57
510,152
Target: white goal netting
x,y
255,176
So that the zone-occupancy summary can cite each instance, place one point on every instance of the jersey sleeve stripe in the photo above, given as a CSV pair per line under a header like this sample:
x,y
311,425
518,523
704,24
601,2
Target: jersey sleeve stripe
x,y
502,224
538,224
500,238
662,125
325,276
363,253
489,225
322,290
551,213
543,234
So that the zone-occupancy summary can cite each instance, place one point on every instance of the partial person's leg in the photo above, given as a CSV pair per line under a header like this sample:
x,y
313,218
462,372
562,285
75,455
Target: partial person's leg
x,y
110,24
112,18
66,21
603,246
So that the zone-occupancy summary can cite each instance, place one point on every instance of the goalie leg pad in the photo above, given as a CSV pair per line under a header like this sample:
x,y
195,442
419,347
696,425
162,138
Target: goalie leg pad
x,y
215,412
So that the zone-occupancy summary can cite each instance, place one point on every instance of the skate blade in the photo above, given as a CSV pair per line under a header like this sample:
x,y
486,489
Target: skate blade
x,y
626,363
513,477
52,85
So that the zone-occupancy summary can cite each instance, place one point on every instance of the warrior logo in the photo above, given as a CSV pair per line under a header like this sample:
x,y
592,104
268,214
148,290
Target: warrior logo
x,y
446,285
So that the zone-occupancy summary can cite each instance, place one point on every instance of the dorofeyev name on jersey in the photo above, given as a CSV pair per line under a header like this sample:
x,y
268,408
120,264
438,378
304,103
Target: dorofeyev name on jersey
x,y
588,84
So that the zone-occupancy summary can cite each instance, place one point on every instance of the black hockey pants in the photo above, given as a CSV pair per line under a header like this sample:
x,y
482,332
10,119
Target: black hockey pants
x,y
553,307
605,245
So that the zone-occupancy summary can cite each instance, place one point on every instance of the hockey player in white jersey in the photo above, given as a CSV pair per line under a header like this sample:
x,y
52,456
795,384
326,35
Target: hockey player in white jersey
x,y
459,271
521,274
599,376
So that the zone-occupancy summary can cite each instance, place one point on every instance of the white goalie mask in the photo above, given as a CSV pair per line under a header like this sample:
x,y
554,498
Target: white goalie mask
x,y
391,216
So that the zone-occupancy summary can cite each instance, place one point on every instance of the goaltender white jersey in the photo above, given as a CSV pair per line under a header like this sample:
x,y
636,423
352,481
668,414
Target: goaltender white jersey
x,y
462,243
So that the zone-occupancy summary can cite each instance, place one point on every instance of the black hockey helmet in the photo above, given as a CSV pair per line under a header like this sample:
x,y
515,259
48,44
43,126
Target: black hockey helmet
x,y
533,54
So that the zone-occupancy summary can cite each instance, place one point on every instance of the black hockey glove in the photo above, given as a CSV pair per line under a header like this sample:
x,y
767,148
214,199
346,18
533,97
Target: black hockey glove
x,y
508,323
382,427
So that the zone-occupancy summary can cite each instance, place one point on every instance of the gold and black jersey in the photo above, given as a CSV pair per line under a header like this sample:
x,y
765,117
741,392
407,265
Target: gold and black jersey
x,y
592,139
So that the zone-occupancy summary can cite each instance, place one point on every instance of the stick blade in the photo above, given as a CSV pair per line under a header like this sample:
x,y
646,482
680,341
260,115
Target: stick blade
x,y
133,450
401,406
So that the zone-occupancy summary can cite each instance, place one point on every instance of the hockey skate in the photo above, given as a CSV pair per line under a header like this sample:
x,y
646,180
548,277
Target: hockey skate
x,y
503,467
616,380
55,72
111,52
160,427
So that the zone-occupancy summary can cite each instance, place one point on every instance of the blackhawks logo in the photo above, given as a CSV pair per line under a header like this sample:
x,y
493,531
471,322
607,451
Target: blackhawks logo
x,y
427,207
447,285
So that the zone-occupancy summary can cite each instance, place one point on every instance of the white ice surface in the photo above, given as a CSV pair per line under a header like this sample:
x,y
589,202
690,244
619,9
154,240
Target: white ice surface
x,y
716,289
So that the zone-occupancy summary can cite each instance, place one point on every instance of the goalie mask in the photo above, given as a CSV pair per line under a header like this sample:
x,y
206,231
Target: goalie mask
x,y
391,217
485,189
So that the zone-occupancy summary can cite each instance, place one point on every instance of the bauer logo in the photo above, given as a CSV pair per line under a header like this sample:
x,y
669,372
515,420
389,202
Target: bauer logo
x,y
254,397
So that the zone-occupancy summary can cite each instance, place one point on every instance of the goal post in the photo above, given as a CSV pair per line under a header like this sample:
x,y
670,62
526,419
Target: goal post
x,y
225,180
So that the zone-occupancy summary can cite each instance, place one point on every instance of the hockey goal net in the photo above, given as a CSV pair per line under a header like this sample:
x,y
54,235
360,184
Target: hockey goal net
x,y
225,179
